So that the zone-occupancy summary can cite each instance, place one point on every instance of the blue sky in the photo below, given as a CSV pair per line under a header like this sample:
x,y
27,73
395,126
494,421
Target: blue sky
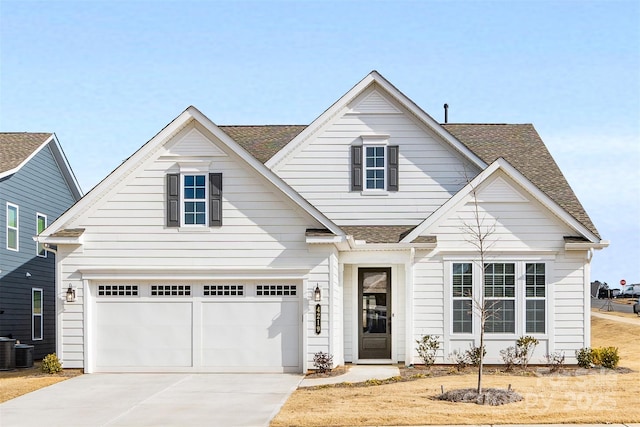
x,y
106,76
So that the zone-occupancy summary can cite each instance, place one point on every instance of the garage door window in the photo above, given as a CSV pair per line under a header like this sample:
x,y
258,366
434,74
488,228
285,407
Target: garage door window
x,y
223,290
275,290
170,290
117,290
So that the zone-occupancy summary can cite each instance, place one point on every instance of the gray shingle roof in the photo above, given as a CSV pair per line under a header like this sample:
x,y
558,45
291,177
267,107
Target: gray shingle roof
x,y
16,147
522,147
519,144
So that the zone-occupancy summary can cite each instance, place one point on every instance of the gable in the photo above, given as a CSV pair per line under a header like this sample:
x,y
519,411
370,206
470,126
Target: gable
x,y
514,219
193,144
374,103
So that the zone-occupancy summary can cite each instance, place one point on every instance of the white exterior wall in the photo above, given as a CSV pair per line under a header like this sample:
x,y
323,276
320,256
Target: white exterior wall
x,y
125,229
430,173
525,231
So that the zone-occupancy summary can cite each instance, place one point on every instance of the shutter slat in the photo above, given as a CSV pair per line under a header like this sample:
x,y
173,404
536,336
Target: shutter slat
x,y
215,199
173,200
392,168
356,168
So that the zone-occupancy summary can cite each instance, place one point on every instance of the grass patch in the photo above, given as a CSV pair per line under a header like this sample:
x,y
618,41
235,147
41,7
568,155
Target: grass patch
x,y
586,396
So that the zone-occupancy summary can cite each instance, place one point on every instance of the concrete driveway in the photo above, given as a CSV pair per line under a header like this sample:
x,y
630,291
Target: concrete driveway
x,y
153,400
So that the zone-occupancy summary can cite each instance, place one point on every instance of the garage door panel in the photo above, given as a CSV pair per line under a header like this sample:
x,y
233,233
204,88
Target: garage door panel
x,y
258,334
149,334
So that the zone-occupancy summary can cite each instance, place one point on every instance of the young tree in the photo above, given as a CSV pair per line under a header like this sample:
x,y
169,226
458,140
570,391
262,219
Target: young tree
x,y
479,231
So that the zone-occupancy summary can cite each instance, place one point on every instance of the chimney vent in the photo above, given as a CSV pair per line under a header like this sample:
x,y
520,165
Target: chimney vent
x,y
446,113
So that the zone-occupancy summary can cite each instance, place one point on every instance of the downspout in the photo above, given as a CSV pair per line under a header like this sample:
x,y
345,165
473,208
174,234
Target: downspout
x,y
587,299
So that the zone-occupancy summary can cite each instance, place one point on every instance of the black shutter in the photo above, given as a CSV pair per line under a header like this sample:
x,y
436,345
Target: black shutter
x,y
392,168
215,199
173,200
356,168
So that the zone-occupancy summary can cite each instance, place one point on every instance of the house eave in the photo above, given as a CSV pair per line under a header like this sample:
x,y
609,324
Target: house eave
x,y
585,246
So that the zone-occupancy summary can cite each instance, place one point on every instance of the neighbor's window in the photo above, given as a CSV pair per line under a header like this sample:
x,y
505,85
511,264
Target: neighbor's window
x,y
41,224
36,314
500,297
12,227
462,293
194,198
535,294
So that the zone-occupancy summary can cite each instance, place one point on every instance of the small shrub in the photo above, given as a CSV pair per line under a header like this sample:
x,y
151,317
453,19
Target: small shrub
x,y
584,357
555,361
323,362
427,348
606,357
51,364
524,349
459,359
475,354
509,357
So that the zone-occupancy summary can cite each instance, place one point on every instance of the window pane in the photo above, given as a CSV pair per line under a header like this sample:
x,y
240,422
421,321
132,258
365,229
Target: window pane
x,y
37,302
12,216
37,327
462,323
42,223
189,193
200,181
535,317
12,239
501,317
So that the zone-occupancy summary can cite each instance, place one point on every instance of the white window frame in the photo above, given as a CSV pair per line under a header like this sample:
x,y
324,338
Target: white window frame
x,y
535,298
513,298
37,317
463,298
40,246
11,228
183,200
374,141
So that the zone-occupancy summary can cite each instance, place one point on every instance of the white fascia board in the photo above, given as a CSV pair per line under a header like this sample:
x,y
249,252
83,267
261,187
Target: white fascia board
x,y
175,125
275,162
515,175
266,172
325,240
192,273
586,246
27,160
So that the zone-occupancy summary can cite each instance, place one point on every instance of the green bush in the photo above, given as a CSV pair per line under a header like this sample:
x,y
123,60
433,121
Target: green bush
x,y
427,348
51,364
584,357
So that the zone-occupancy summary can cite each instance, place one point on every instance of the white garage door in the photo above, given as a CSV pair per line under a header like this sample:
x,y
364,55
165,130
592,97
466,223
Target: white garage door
x,y
197,327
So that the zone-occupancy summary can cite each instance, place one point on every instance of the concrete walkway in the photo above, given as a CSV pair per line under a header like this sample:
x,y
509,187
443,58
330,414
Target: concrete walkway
x,y
139,400
355,374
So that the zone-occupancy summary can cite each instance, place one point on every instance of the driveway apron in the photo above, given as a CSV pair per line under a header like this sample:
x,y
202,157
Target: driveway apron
x,y
118,400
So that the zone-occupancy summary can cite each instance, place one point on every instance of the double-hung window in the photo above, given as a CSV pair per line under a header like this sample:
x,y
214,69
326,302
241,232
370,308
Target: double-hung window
x,y
41,224
500,297
374,165
462,292
194,199
535,294
36,314
13,231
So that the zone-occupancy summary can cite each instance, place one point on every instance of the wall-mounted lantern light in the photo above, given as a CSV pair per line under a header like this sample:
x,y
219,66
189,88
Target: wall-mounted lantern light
x,y
317,296
71,294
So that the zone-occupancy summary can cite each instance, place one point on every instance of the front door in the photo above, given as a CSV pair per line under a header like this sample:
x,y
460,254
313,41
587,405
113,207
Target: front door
x,y
374,308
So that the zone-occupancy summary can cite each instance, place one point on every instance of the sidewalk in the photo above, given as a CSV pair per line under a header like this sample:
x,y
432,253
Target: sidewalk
x,y
633,321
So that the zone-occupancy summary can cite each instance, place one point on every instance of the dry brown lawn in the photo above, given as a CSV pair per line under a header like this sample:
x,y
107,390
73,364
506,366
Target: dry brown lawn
x,y
600,397
22,381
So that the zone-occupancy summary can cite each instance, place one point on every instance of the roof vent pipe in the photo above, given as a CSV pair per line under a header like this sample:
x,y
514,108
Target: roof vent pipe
x,y
446,113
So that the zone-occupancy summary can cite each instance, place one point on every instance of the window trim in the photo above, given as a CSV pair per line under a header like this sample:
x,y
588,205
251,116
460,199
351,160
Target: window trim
x,y
35,316
502,298
204,200
40,251
366,168
545,298
462,298
12,228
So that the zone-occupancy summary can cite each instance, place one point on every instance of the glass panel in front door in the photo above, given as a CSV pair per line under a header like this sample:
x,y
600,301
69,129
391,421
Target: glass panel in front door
x,y
374,302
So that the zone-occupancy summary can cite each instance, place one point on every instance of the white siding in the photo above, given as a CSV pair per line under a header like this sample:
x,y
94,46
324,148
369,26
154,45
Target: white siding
x,y
429,172
125,228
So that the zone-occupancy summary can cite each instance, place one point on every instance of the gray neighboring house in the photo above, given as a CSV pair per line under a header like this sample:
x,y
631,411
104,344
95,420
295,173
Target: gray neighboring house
x,y
36,186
